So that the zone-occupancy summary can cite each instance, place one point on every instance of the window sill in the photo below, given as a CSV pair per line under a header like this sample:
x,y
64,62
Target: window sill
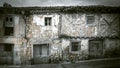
x,y
8,36
47,28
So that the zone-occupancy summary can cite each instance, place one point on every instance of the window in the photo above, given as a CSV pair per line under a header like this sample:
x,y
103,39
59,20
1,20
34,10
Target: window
x,y
75,46
90,19
8,47
8,26
8,31
9,19
48,21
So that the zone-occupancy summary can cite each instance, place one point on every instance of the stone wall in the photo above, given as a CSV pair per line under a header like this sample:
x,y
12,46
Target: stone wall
x,y
38,33
112,48
32,30
39,29
109,25
16,39
105,25
75,25
81,54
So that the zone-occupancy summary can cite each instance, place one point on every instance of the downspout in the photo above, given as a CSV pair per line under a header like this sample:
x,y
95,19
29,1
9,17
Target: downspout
x,y
60,25
59,33
119,27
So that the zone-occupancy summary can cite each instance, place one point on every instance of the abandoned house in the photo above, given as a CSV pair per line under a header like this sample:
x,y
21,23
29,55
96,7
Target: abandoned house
x,y
33,35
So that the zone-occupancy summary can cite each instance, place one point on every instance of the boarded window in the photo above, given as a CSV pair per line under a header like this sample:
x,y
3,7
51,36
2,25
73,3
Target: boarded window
x,y
90,19
48,21
8,26
8,47
74,46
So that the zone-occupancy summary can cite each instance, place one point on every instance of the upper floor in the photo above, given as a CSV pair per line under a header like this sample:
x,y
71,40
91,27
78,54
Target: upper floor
x,y
54,22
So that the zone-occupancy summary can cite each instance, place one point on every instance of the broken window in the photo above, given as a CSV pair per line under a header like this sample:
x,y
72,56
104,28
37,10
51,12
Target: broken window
x,y
8,47
90,19
48,21
8,26
74,46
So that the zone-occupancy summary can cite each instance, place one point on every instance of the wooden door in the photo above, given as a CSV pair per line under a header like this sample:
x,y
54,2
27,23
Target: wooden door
x,y
40,50
96,49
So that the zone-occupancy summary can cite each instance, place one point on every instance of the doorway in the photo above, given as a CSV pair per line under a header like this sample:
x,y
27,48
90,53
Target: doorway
x,y
40,53
95,49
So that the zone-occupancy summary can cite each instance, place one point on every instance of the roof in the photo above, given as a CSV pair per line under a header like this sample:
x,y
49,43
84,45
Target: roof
x,y
60,9
25,3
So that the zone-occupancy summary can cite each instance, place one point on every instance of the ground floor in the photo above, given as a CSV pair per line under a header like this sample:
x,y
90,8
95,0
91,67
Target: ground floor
x,y
39,51
96,63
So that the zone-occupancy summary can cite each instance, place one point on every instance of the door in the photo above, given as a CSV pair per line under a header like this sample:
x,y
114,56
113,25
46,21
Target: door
x,y
6,54
40,53
36,51
44,50
40,50
95,49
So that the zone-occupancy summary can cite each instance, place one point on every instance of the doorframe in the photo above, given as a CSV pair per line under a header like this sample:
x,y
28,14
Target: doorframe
x,y
48,44
96,39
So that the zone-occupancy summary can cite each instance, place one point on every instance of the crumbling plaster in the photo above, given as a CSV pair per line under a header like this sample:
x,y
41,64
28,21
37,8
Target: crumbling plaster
x,y
82,51
16,39
42,34
78,26
104,25
109,25
40,30
68,24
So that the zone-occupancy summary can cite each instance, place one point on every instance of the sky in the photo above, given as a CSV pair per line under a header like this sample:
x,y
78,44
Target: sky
x,y
27,3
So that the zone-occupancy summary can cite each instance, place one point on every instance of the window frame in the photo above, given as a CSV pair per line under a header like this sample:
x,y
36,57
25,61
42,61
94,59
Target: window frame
x,y
79,46
49,21
40,46
99,45
87,21
6,46
7,29
10,19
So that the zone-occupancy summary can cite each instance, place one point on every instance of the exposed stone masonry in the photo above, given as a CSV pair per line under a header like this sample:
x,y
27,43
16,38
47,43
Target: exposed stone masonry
x,y
67,25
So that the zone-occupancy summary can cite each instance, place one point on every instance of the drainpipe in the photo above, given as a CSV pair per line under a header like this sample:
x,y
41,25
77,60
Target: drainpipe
x,y
59,33
119,26
60,25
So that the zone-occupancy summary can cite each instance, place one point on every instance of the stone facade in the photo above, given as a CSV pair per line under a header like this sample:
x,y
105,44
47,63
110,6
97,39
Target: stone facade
x,y
94,35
